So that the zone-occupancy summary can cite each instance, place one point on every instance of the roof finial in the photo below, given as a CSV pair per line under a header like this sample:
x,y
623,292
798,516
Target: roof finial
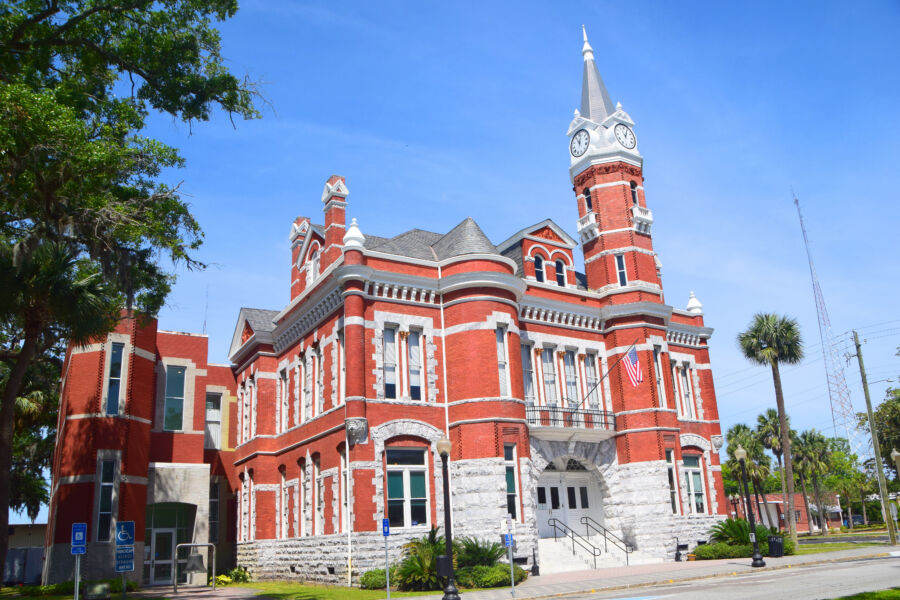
x,y
586,50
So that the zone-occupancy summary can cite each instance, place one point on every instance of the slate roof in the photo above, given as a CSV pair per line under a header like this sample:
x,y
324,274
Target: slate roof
x,y
465,238
260,319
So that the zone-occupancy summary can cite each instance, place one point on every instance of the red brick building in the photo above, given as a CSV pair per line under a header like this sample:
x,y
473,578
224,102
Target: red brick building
x,y
570,398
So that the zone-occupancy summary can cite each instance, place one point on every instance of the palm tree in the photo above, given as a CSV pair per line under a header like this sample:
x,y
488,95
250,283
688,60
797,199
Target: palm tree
x,y
768,428
757,462
772,340
800,451
814,459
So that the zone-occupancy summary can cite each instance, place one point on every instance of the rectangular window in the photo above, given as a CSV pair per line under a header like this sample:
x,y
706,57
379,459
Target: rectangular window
x,y
584,497
592,383
693,476
549,367
104,509
115,378
174,405
501,361
673,489
213,512
414,359
686,393
620,269
542,498
342,358
572,397
573,502
212,434
554,498
343,484
390,362
512,495
527,374
657,369
407,490
284,410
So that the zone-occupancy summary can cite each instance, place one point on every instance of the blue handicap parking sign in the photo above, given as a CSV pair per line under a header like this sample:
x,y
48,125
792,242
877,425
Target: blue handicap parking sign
x,y
125,533
508,539
385,527
79,538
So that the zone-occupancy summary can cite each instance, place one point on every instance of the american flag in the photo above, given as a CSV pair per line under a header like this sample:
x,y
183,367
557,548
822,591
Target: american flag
x,y
633,367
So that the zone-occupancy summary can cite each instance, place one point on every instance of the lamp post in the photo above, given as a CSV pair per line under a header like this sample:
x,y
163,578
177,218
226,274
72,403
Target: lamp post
x,y
741,455
443,447
734,499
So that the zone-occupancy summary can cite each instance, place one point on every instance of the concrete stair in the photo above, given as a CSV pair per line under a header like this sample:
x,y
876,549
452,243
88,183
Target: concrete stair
x,y
555,556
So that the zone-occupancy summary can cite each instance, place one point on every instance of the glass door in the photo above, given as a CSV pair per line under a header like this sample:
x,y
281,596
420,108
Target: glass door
x,y
162,556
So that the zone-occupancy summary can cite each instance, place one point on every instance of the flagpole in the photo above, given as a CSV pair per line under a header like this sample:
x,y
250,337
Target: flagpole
x,y
608,371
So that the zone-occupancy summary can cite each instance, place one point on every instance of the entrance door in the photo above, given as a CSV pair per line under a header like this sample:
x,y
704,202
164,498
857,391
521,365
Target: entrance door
x,y
567,496
550,505
162,555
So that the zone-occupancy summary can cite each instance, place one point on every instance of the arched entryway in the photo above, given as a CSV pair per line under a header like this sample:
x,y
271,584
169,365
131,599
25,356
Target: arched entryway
x,y
567,490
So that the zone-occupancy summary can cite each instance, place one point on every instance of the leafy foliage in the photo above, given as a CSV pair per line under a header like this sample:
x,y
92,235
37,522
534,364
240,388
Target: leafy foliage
x,y
887,422
471,552
736,532
418,569
483,576
239,575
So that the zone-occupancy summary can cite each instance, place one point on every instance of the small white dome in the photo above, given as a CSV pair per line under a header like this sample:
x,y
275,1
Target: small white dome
x,y
354,237
694,306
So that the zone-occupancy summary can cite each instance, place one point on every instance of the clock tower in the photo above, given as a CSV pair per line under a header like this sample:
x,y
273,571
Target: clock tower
x,y
607,174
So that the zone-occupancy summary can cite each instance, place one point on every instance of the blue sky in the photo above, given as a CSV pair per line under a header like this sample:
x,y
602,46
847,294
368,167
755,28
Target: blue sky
x,y
438,111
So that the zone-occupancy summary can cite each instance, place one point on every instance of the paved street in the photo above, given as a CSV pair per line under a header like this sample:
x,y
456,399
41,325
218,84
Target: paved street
x,y
818,582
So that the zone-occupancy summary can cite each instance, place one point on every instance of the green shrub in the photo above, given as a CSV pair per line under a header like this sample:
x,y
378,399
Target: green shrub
x,y
223,579
731,531
239,575
373,580
481,576
418,569
723,550
471,552
68,587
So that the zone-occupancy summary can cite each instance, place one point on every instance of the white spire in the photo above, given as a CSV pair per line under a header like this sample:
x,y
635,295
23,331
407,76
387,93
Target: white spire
x,y
354,237
586,50
694,306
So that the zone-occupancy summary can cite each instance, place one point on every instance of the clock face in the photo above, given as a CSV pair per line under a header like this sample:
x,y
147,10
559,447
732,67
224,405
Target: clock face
x,y
580,142
625,136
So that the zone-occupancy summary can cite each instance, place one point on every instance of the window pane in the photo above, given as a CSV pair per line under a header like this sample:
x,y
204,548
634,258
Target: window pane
x,y
584,498
417,484
108,469
571,493
103,527
510,480
175,382
698,488
399,456
105,498
542,496
418,512
415,391
508,453
115,360
173,420
554,498
511,505
112,397
691,461
395,485
395,513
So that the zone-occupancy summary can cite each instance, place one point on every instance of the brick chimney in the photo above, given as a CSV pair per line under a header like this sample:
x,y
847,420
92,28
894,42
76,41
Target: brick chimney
x,y
334,198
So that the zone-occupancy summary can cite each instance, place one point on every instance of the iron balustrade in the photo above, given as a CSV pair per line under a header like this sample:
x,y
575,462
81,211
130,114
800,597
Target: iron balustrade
x,y
580,418
560,529
608,536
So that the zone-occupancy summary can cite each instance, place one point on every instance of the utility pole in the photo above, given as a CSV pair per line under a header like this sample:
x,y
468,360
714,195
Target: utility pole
x,y
879,470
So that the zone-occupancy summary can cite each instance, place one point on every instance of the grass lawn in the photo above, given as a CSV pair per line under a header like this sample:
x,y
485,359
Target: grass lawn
x,y
830,547
892,594
13,592
297,591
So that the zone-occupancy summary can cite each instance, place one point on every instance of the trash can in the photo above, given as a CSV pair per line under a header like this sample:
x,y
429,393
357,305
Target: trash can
x,y
776,546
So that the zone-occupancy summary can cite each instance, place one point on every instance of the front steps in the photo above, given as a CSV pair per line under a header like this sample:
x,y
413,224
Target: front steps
x,y
555,556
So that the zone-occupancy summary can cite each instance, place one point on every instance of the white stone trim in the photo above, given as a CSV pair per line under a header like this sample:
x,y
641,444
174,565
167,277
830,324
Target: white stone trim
x,y
106,416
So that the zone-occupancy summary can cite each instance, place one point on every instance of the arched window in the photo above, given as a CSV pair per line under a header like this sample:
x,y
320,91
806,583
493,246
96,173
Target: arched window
x,y
560,274
312,269
634,197
539,268
587,199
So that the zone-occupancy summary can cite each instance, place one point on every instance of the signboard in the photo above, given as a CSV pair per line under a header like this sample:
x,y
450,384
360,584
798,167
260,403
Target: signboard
x,y
507,540
79,538
385,527
124,559
125,533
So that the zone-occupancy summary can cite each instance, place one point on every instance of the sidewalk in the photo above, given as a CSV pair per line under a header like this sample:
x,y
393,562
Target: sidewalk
x,y
563,584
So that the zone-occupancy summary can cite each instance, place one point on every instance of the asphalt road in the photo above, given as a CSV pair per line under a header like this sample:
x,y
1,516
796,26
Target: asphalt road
x,y
820,582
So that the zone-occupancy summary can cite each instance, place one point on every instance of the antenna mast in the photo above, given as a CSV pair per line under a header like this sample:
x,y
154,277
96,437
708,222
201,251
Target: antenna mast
x,y
842,414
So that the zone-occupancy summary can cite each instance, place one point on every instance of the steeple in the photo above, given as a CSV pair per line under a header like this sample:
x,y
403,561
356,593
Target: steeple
x,y
596,104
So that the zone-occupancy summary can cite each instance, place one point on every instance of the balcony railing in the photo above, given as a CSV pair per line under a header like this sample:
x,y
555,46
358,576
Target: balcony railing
x,y
643,218
587,227
589,419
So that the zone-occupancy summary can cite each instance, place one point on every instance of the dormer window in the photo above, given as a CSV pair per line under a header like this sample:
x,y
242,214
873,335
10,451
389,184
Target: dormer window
x,y
588,205
539,268
560,274
312,266
634,194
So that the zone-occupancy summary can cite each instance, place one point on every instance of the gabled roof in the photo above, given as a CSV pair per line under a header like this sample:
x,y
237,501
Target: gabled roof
x,y
259,320
465,238
318,230
567,240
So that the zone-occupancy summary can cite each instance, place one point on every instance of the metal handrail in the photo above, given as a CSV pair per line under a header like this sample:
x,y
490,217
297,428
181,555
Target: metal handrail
x,y
581,418
590,523
576,538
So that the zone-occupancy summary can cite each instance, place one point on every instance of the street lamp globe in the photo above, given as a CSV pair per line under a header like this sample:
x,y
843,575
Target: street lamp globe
x,y
444,446
740,453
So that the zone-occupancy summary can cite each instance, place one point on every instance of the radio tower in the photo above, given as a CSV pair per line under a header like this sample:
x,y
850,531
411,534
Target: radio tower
x,y
842,414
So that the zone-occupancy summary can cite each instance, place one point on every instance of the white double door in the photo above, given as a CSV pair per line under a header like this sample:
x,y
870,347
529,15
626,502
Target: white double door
x,y
567,497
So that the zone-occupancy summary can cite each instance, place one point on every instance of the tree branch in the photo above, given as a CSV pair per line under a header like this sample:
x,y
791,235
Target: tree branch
x,y
48,12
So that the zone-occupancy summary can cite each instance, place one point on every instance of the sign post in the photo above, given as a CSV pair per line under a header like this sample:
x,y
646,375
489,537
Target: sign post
x,y
508,542
79,547
386,532
125,550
